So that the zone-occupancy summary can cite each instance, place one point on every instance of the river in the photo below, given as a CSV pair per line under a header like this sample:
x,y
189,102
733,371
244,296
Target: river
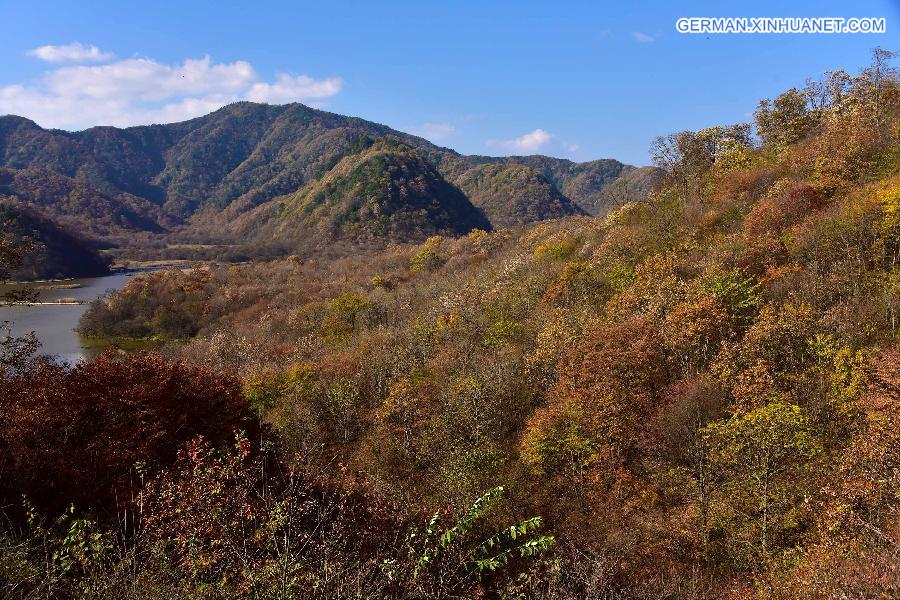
x,y
54,325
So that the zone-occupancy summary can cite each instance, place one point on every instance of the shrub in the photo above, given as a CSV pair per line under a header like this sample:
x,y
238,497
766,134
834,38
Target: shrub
x,y
427,258
75,435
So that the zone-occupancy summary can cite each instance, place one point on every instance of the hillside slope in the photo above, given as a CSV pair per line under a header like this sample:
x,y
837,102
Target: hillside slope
x,y
512,195
55,253
80,206
595,186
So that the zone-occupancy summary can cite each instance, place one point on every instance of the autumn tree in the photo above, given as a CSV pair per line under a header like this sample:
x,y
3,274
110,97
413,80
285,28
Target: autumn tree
x,y
761,460
828,92
595,415
882,77
785,120
688,155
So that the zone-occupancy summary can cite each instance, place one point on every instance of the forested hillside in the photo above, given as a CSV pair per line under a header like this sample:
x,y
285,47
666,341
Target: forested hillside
x,y
696,395
80,206
384,193
144,188
55,253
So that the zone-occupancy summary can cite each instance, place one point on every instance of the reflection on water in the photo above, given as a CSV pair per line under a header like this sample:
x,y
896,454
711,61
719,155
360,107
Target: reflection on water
x,y
55,325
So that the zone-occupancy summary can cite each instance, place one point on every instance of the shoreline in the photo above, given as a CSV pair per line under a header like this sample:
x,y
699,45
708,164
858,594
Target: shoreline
x,y
56,303
117,269
58,286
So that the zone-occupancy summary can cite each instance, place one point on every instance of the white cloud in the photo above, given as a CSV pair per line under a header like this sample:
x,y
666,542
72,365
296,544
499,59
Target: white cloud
x,y
436,132
528,143
148,80
643,37
287,88
74,52
141,90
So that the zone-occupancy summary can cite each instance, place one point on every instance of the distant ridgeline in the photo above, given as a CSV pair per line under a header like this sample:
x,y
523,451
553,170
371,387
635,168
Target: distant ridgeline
x,y
288,178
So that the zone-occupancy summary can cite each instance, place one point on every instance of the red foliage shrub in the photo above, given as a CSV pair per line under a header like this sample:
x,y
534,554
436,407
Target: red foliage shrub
x,y
781,209
75,435
612,376
627,357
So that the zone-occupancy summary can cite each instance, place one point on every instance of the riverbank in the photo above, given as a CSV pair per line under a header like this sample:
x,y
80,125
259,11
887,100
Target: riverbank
x,y
139,266
51,284
58,286
55,327
94,345
60,302
120,268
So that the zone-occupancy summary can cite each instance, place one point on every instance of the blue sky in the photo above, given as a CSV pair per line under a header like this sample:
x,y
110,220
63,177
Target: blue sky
x,y
582,80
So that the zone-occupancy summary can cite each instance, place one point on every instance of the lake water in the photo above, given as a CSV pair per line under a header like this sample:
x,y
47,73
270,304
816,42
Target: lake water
x,y
55,325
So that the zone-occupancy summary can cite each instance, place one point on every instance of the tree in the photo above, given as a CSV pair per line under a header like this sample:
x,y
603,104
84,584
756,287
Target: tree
x,y
855,549
427,258
688,155
344,314
693,331
738,293
829,92
785,120
556,443
878,74
761,459
607,383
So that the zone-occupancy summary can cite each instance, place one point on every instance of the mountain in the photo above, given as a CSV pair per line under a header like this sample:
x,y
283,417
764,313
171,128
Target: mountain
x,y
699,396
593,186
205,178
513,195
58,253
385,192
695,397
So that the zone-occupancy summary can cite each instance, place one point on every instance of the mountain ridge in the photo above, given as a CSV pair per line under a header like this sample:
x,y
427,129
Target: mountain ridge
x,y
196,179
